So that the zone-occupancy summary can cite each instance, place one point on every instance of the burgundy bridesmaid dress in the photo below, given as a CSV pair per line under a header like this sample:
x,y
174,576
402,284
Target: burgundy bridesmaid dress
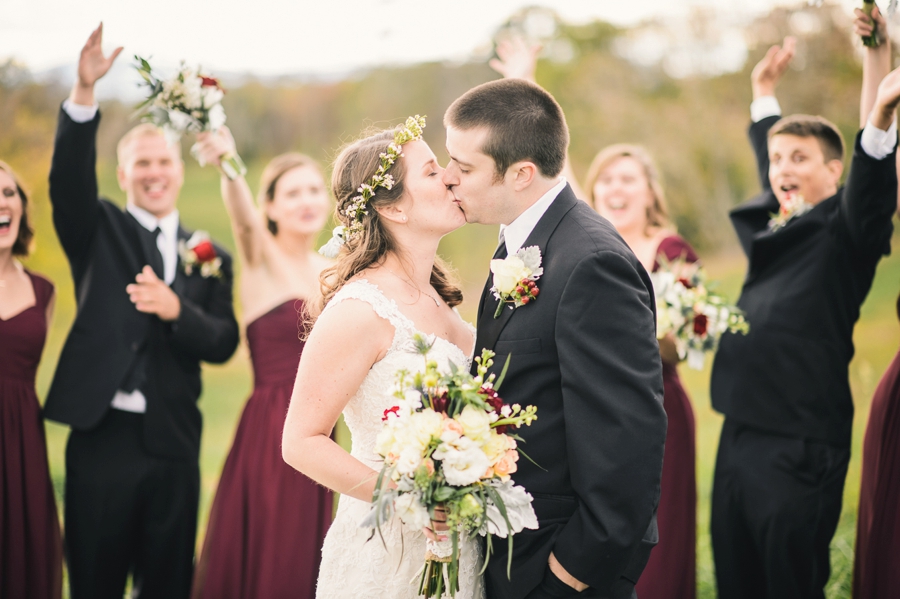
x,y
30,540
671,571
268,521
876,569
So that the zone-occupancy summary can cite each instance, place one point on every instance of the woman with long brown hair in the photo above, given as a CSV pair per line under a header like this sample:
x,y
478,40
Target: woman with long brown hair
x,y
267,521
30,544
386,286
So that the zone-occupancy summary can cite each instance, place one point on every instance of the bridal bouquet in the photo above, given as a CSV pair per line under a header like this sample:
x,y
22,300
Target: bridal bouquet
x,y
691,311
187,102
448,446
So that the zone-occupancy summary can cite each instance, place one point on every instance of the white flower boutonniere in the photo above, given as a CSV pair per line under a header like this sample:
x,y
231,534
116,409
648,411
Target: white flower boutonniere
x,y
199,252
794,206
514,278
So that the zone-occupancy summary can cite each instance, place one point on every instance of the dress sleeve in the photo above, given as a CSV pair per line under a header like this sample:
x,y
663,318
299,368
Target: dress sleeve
x,y
676,248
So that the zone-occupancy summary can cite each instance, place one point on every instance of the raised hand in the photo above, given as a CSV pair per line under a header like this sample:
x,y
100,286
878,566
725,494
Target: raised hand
x,y
151,295
516,58
211,146
92,65
887,100
769,70
864,25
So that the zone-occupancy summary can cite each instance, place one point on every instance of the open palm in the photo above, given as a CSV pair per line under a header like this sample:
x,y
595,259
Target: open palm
x,y
92,65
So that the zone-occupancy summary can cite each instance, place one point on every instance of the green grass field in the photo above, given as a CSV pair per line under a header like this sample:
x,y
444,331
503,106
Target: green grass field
x,y
226,387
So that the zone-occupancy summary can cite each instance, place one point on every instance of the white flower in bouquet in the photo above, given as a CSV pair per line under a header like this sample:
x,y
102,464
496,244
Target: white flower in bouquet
x,y
463,462
518,509
411,512
476,423
188,102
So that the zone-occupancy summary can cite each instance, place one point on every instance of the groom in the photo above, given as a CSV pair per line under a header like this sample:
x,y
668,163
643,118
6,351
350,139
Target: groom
x,y
584,352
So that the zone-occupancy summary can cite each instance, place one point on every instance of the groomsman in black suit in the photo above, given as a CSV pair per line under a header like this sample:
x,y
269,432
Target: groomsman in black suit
x,y
128,378
783,388
584,351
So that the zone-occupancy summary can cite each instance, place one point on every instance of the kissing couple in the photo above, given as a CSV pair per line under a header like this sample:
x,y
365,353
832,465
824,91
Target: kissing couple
x,y
584,352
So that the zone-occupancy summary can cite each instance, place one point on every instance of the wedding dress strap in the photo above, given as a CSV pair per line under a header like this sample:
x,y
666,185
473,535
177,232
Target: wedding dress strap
x,y
387,309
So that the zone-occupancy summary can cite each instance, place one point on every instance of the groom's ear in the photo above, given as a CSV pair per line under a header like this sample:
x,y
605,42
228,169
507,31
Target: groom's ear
x,y
522,174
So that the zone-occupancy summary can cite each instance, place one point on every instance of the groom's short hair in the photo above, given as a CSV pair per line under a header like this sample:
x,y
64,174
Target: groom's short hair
x,y
523,120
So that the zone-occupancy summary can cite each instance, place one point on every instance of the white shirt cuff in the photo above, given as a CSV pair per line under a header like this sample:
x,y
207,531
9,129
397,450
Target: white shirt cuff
x,y
78,112
877,143
764,107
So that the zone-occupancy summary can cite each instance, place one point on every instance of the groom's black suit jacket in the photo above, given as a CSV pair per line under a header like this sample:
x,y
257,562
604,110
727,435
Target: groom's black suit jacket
x,y
802,295
585,353
106,248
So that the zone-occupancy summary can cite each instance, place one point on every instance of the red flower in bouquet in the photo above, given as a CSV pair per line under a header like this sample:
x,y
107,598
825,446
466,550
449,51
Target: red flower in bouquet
x,y
389,411
701,321
209,82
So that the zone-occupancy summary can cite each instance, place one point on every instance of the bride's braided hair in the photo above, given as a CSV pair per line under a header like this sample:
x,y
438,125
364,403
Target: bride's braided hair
x,y
354,166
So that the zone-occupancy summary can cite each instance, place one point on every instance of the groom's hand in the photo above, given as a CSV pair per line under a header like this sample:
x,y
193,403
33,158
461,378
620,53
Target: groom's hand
x,y
92,65
563,575
151,295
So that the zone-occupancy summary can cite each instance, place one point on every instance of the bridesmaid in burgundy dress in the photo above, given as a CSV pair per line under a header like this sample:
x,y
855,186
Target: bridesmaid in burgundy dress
x,y
268,521
30,543
876,568
624,187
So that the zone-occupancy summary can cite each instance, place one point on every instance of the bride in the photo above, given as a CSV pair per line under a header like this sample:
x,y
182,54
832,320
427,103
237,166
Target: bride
x,y
387,285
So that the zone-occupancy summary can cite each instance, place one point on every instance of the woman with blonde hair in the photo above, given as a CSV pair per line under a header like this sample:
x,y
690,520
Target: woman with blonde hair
x,y
30,543
386,286
267,521
623,185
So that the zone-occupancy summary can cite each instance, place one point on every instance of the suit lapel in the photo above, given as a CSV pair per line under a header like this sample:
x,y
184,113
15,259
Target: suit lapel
x,y
490,328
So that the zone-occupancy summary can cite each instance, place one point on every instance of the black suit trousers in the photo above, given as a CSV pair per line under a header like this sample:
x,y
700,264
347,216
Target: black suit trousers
x,y
776,504
128,511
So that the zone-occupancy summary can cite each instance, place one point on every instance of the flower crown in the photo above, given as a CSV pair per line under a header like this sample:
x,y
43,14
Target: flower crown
x,y
358,208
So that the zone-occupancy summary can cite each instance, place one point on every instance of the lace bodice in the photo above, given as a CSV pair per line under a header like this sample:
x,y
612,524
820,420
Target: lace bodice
x,y
353,564
363,414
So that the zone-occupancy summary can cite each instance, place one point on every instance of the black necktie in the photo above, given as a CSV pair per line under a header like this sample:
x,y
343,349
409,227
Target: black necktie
x,y
154,257
500,252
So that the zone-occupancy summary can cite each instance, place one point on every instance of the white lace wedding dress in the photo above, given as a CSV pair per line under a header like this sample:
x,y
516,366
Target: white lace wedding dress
x,y
356,563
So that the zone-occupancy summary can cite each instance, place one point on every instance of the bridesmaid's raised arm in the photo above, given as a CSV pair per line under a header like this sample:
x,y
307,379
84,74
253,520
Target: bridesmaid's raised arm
x,y
250,232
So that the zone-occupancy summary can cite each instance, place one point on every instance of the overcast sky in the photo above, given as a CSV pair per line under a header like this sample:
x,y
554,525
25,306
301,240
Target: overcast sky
x,y
322,37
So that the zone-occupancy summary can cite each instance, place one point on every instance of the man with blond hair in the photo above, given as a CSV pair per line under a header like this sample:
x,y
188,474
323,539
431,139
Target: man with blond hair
x,y
128,379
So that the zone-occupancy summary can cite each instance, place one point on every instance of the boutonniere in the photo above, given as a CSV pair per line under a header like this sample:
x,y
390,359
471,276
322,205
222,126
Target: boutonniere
x,y
794,206
514,278
199,252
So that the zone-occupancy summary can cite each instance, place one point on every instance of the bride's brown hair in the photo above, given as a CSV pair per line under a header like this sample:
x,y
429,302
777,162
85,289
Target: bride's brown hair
x,y
355,165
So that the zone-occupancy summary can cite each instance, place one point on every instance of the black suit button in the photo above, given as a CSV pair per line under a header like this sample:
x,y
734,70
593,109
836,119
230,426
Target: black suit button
x,y
135,346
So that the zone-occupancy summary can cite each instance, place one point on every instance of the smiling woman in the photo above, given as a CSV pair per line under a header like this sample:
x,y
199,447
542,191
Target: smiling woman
x,y
30,546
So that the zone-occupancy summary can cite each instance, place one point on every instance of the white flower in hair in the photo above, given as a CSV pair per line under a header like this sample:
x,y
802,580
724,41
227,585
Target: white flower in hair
x,y
333,247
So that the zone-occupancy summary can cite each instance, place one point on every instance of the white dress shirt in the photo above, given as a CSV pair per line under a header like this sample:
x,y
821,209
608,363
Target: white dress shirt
x,y
79,112
516,232
875,142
